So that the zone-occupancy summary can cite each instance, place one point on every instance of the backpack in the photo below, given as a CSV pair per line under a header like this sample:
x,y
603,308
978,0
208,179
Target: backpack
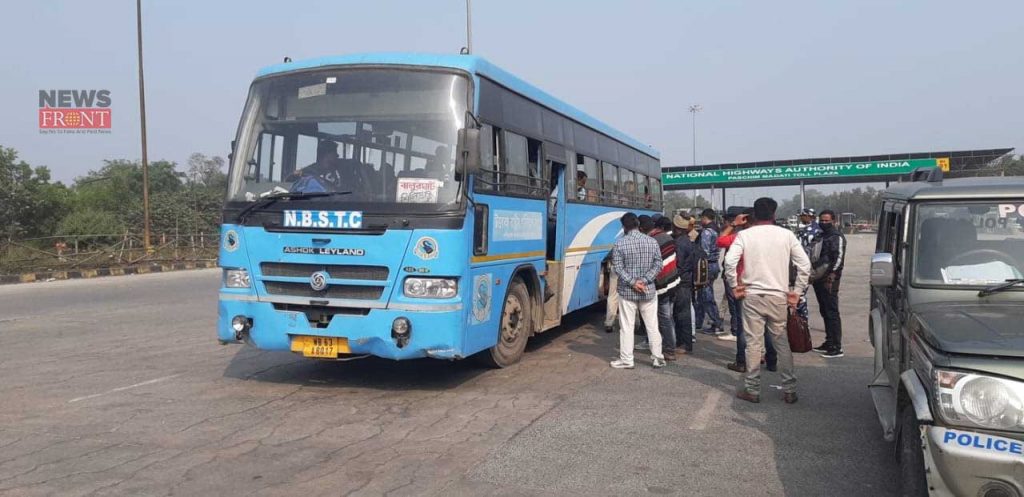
x,y
700,267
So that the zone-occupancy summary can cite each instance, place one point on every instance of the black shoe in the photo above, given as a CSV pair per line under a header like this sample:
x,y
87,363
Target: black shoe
x,y
821,348
737,367
832,354
772,367
609,329
789,397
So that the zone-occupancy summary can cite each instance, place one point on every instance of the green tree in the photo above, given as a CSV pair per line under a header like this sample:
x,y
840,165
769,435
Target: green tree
x,y
1008,165
116,188
207,171
31,205
677,201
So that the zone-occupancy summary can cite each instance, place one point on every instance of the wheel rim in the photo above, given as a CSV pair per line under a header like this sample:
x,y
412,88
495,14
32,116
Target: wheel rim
x,y
512,320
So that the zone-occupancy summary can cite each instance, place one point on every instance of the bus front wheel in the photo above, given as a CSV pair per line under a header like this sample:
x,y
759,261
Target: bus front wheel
x,y
516,327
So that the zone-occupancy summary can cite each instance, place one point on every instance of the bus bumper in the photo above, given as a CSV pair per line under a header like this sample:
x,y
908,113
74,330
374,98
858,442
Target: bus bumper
x,y
963,462
432,333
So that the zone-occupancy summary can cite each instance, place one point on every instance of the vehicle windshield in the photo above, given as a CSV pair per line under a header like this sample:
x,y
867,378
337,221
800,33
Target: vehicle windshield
x,y
386,135
969,244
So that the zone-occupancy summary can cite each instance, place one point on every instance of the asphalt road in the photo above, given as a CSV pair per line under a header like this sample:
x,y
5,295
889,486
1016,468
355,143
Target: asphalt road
x,y
117,386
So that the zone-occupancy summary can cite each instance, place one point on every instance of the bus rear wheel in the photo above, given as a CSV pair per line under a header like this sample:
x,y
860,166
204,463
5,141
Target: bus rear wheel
x,y
516,327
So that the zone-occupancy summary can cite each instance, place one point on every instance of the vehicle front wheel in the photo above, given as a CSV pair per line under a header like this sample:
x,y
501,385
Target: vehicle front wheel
x,y
911,454
516,327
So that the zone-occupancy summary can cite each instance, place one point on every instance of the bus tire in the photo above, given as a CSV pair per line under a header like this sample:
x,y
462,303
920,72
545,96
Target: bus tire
x,y
516,326
911,454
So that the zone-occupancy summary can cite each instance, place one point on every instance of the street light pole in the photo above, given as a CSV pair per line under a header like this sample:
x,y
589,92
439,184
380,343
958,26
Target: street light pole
x,y
694,109
469,26
142,119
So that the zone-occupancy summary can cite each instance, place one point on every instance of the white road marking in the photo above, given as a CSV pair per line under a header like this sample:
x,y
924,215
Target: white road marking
x,y
121,389
700,421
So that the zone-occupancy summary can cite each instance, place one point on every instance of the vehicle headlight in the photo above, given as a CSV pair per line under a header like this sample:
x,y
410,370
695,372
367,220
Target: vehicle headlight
x,y
980,401
431,288
236,278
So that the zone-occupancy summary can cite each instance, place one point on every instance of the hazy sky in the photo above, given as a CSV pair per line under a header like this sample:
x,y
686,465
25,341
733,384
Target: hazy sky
x,y
778,80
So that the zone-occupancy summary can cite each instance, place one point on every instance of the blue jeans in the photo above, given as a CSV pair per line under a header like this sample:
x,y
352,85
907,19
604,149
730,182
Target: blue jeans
x,y
705,301
666,325
801,306
770,356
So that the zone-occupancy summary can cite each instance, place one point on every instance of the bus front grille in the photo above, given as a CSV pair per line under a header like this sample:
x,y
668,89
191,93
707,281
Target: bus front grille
x,y
331,292
339,271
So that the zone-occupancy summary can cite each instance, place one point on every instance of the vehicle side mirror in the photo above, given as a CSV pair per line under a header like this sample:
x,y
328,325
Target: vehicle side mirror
x,y
883,273
468,148
231,154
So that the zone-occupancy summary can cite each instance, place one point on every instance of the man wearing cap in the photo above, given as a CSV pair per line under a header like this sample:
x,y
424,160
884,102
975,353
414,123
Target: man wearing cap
x,y
682,310
809,232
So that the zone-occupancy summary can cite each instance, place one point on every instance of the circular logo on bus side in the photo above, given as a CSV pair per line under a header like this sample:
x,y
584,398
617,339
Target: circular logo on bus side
x,y
231,240
426,248
318,281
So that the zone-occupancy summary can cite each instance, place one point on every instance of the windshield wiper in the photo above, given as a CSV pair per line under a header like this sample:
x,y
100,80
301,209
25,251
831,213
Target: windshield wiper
x,y
1000,287
271,199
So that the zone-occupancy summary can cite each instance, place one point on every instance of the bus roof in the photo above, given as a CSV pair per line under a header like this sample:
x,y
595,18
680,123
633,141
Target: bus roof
x,y
474,65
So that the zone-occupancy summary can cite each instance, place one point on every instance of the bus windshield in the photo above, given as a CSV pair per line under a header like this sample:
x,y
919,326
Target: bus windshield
x,y
387,136
969,243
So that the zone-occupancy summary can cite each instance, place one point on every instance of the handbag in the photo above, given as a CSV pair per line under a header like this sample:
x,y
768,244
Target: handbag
x,y
798,332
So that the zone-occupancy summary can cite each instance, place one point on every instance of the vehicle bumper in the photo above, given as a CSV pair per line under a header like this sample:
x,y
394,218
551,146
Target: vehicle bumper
x,y
434,334
963,462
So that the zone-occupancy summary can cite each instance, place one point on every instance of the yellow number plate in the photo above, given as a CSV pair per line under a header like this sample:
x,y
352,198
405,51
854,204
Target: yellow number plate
x,y
322,347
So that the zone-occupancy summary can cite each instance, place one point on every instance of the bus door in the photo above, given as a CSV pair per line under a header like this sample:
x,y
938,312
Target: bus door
x,y
555,236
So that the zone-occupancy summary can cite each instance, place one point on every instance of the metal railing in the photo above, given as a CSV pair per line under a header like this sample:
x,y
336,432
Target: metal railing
x,y
65,253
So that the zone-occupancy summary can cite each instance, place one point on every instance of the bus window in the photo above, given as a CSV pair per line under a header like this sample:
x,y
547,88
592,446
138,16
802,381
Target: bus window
x,y
610,182
269,158
538,179
488,177
628,189
656,193
589,167
516,164
305,152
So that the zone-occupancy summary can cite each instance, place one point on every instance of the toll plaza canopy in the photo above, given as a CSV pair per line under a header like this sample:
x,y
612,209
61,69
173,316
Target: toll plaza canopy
x,y
864,169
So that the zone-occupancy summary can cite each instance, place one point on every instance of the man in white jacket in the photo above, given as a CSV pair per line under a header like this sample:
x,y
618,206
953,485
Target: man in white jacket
x,y
764,253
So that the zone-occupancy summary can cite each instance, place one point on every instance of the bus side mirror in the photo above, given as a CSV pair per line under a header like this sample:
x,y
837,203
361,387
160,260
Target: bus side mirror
x,y
468,148
231,154
883,274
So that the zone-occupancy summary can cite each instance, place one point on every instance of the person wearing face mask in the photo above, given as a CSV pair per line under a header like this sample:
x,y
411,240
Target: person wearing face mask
x,y
826,289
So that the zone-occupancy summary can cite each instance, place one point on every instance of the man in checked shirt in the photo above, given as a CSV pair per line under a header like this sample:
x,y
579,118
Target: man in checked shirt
x,y
636,259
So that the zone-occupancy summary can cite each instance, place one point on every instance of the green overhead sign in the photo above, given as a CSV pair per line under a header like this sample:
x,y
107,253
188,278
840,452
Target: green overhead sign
x,y
807,171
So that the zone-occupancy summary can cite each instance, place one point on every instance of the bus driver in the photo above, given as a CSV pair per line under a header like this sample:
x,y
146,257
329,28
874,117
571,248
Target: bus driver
x,y
329,172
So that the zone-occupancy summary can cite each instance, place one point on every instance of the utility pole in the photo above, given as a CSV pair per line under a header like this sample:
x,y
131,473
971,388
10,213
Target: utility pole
x,y
694,109
469,26
142,119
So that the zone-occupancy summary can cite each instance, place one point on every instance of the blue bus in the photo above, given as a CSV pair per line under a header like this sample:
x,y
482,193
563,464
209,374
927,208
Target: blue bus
x,y
406,206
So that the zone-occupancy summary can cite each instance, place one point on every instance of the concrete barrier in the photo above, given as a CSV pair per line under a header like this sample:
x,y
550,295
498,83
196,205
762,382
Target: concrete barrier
x,y
100,272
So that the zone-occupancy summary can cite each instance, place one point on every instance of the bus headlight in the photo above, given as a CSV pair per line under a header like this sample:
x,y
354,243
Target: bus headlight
x,y
980,401
431,288
236,278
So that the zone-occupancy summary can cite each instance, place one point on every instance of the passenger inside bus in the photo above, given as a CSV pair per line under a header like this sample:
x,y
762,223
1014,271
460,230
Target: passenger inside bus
x,y
440,166
330,172
581,185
